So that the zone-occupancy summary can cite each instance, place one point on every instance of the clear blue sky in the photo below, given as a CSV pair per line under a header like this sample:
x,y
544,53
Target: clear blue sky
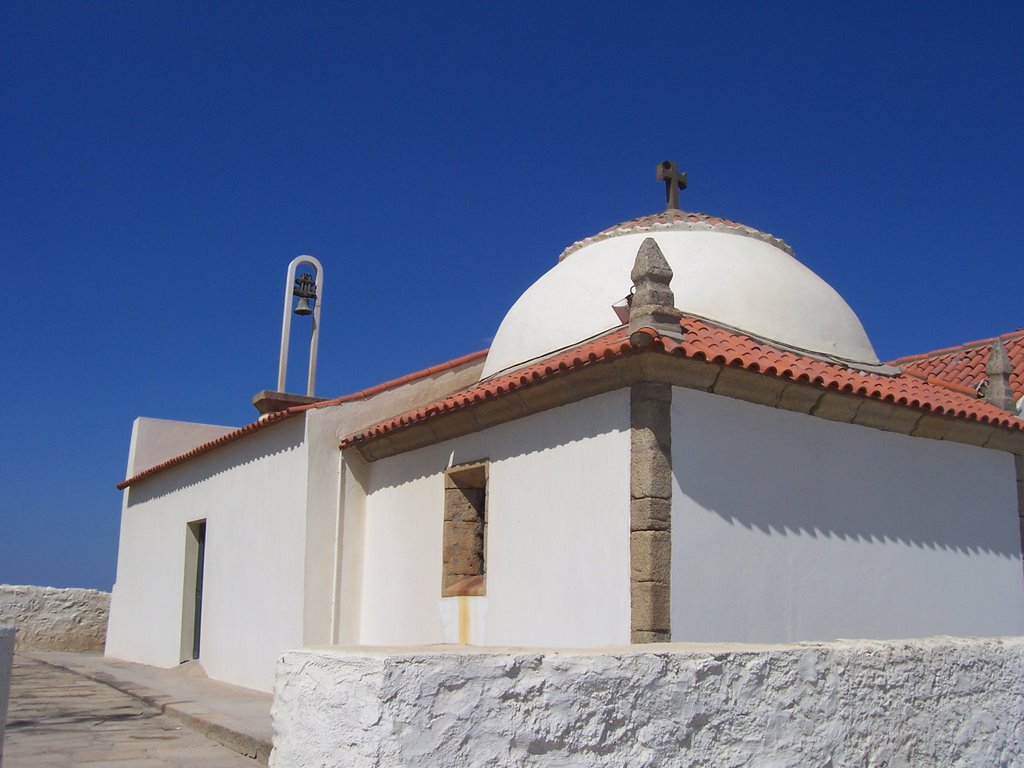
x,y
163,162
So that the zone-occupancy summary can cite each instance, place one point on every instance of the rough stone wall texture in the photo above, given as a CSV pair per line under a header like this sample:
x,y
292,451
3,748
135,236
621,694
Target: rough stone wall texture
x,y
937,701
49,619
6,660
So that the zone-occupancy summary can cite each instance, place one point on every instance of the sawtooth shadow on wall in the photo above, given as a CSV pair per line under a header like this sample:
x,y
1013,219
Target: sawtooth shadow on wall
x,y
788,474
529,435
276,439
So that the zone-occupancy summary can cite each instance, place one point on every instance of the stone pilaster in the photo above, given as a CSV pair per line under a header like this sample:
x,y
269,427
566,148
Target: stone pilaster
x,y
653,303
650,471
997,390
650,512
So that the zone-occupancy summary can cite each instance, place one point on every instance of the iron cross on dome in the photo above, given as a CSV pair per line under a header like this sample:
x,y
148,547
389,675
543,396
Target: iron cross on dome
x,y
674,181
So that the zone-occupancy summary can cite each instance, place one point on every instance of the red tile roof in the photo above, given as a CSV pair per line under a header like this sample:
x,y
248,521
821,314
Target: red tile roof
x,y
941,381
199,450
278,416
704,341
965,364
676,219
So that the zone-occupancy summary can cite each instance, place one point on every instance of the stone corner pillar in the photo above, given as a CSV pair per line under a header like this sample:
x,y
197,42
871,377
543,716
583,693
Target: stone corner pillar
x,y
650,512
997,389
652,303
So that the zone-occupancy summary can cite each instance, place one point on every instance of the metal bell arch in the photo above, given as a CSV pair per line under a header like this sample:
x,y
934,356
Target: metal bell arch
x,y
286,323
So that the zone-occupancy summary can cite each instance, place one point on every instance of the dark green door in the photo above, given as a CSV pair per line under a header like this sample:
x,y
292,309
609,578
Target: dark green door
x,y
200,532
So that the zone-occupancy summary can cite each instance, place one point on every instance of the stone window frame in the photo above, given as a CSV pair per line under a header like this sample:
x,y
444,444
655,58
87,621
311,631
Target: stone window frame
x,y
464,537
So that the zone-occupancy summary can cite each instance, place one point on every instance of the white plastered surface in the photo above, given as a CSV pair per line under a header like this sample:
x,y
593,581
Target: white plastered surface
x,y
937,701
738,281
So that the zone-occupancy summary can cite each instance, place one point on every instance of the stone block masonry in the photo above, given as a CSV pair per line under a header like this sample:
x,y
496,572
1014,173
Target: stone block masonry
x,y
936,701
465,527
650,512
49,619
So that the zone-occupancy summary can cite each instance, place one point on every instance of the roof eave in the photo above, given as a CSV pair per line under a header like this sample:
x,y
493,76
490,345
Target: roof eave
x,y
277,416
590,370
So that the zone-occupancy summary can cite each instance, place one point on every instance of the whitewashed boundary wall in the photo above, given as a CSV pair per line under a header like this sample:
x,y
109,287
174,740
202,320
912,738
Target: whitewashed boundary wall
x,y
49,619
6,660
936,701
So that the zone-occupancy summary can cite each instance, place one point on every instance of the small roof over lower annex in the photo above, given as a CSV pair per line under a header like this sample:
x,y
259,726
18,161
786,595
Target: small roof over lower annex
x,y
965,364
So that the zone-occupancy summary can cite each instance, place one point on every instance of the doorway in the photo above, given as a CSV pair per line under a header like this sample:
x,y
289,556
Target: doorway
x,y
192,593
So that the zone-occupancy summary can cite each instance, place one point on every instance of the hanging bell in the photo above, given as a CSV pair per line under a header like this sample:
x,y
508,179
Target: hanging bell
x,y
302,307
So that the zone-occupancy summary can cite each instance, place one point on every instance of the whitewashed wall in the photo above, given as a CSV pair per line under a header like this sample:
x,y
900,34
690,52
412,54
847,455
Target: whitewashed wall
x,y
275,535
933,702
51,619
156,440
787,527
558,531
7,634
322,489
252,493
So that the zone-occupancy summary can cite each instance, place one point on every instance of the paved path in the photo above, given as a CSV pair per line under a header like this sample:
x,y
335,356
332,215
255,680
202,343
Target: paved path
x,y
59,718
238,718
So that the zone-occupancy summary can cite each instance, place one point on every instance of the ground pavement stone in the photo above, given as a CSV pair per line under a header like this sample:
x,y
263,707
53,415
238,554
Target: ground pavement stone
x,y
57,719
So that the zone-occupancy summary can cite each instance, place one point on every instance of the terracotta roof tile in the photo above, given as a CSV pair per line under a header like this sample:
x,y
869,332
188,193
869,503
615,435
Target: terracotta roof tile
x,y
274,418
199,450
965,364
675,219
941,382
704,341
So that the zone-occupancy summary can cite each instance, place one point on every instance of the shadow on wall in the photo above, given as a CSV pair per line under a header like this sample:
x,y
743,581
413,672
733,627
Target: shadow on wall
x,y
787,474
276,439
547,430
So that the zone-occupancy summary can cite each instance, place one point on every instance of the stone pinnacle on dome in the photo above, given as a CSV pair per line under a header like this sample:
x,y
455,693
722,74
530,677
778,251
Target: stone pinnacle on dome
x,y
668,172
998,391
652,305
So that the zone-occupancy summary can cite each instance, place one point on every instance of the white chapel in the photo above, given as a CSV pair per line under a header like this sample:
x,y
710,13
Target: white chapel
x,y
679,433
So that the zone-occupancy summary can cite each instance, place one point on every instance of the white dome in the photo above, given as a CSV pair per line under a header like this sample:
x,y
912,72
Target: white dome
x,y
722,271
